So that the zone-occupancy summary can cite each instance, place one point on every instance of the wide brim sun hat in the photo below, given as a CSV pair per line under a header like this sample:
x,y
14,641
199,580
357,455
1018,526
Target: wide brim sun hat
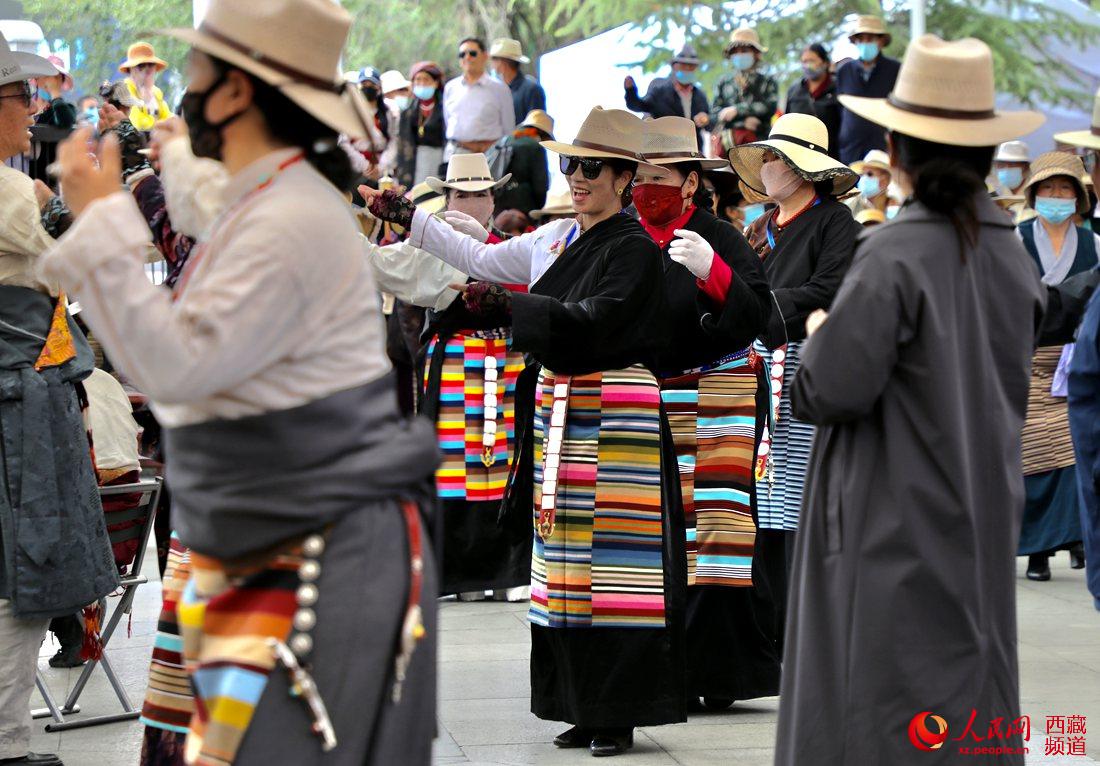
x,y
802,141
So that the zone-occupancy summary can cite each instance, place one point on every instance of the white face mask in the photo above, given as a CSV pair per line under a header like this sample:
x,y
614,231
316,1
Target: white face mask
x,y
780,180
478,208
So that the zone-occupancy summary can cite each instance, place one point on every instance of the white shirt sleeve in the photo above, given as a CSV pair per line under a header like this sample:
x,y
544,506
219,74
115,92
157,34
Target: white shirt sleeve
x,y
509,261
21,232
412,275
224,333
193,188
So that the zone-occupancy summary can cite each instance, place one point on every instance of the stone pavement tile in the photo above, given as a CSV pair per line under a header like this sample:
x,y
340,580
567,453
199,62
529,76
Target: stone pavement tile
x,y
644,753
489,623
681,737
486,680
508,729
481,651
445,747
759,756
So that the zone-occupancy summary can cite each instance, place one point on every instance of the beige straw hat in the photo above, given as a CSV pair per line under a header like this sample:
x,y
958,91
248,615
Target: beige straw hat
x,y
945,94
141,53
254,37
556,204
870,215
540,120
1051,164
605,133
745,37
876,158
669,140
802,141
870,25
1090,139
467,172
507,48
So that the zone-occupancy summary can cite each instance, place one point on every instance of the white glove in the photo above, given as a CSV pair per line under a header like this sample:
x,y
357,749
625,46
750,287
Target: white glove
x,y
692,252
466,224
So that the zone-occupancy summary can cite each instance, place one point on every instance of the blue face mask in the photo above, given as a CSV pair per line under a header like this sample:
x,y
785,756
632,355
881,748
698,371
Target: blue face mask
x,y
687,78
869,186
867,51
424,92
752,212
892,211
91,115
742,61
1055,209
402,102
1010,178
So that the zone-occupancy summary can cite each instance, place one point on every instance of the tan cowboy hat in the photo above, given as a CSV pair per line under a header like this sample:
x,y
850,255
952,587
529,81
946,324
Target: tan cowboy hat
x,y
745,37
937,79
802,141
870,216
1053,164
539,119
556,204
670,140
507,48
1012,151
876,158
1090,139
392,80
870,25
141,53
426,198
253,37
17,66
605,133
467,172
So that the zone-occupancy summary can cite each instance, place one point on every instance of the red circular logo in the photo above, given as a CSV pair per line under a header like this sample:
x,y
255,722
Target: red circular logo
x,y
927,731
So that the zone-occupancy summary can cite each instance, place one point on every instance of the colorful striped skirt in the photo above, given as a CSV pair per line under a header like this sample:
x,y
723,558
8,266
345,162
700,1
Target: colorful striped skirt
x,y
601,566
169,702
475,421
713,417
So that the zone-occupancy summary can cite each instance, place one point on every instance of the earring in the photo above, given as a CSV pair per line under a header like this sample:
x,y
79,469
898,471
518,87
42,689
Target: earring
x,y
620,192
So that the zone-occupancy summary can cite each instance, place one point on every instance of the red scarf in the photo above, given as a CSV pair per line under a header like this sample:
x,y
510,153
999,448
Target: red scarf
x,y
816,93
662,235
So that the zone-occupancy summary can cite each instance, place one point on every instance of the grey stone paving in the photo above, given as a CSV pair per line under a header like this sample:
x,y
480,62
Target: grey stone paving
x,y
483,690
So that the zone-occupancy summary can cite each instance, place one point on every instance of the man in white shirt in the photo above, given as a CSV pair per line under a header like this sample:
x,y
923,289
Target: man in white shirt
x,y
477,109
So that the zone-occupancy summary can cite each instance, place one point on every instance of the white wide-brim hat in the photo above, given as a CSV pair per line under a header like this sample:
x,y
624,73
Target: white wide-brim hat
x,y
1012,151
17,66
392,80
876,158
469,173
254,37
556,204
1089,139
605,134
672,140
945,94
802,141
507,48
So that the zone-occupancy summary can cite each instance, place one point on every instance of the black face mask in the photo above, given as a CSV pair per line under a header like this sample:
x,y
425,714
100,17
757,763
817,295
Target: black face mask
x,y
206,137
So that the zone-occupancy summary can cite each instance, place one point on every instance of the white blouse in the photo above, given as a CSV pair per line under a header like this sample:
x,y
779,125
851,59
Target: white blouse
x,y
279,308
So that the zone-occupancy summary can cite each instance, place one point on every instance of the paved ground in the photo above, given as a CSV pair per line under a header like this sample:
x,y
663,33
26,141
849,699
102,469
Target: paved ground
x,y
483,690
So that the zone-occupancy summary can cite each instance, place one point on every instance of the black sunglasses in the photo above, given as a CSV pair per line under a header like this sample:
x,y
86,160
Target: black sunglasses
x,y
25,96
468,54
589,167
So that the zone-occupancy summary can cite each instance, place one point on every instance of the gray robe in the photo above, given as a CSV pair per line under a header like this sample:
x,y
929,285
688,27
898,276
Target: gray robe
x,y
903,590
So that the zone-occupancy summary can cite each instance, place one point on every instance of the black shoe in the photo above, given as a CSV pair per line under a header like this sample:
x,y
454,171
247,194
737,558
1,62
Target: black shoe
x,y
575,737
694,705
1077,556
1038,567
33,759
66,657
611,742
717,703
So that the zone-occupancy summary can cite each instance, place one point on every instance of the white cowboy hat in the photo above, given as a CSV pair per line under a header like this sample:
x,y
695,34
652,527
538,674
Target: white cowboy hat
x,y
393,80
16,66
745,37
467,172
507,48
670,140
1012,151
540,120
254,37
802,141
870,25
1089,139
556,204
937,78
876,158
605,133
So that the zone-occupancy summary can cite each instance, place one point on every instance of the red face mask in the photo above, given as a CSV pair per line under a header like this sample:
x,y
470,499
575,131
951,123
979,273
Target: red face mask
x,y
659,204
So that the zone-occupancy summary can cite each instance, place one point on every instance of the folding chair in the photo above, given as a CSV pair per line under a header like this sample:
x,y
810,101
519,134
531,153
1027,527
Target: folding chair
x,y
144,513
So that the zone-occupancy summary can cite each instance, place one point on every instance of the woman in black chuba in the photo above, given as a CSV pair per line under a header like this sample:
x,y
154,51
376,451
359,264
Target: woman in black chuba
x,y
608,566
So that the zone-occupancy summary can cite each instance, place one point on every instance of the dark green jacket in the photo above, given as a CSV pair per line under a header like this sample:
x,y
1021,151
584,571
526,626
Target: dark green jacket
x,y
526,190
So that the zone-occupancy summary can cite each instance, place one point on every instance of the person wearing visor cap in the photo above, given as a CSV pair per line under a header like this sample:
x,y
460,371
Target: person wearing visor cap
x,y
294,479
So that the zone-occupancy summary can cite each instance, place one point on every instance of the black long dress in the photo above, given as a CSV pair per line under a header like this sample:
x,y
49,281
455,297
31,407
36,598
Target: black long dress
x,y
599,312
717,418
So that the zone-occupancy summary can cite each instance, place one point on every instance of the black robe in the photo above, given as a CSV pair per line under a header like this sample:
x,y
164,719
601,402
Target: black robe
x,y
601,306
731,649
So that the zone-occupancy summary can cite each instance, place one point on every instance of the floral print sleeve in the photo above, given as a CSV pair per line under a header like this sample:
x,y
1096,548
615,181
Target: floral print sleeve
x,y
173,246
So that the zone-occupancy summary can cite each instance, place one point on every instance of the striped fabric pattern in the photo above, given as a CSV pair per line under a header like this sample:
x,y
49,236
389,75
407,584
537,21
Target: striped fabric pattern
x,y
779,495
1046,438
225,620
460,425
603,564
713,420
168,699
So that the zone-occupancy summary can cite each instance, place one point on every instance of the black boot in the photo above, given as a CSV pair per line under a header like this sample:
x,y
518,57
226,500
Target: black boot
x,y
33,759
611,742
575,737
717,703
1077,556
1038,567
70,634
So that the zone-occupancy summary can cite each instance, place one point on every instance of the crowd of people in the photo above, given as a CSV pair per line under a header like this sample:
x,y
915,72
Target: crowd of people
x,y
768,402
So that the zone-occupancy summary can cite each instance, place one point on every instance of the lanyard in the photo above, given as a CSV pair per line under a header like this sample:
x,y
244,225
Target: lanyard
x,y
775,218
